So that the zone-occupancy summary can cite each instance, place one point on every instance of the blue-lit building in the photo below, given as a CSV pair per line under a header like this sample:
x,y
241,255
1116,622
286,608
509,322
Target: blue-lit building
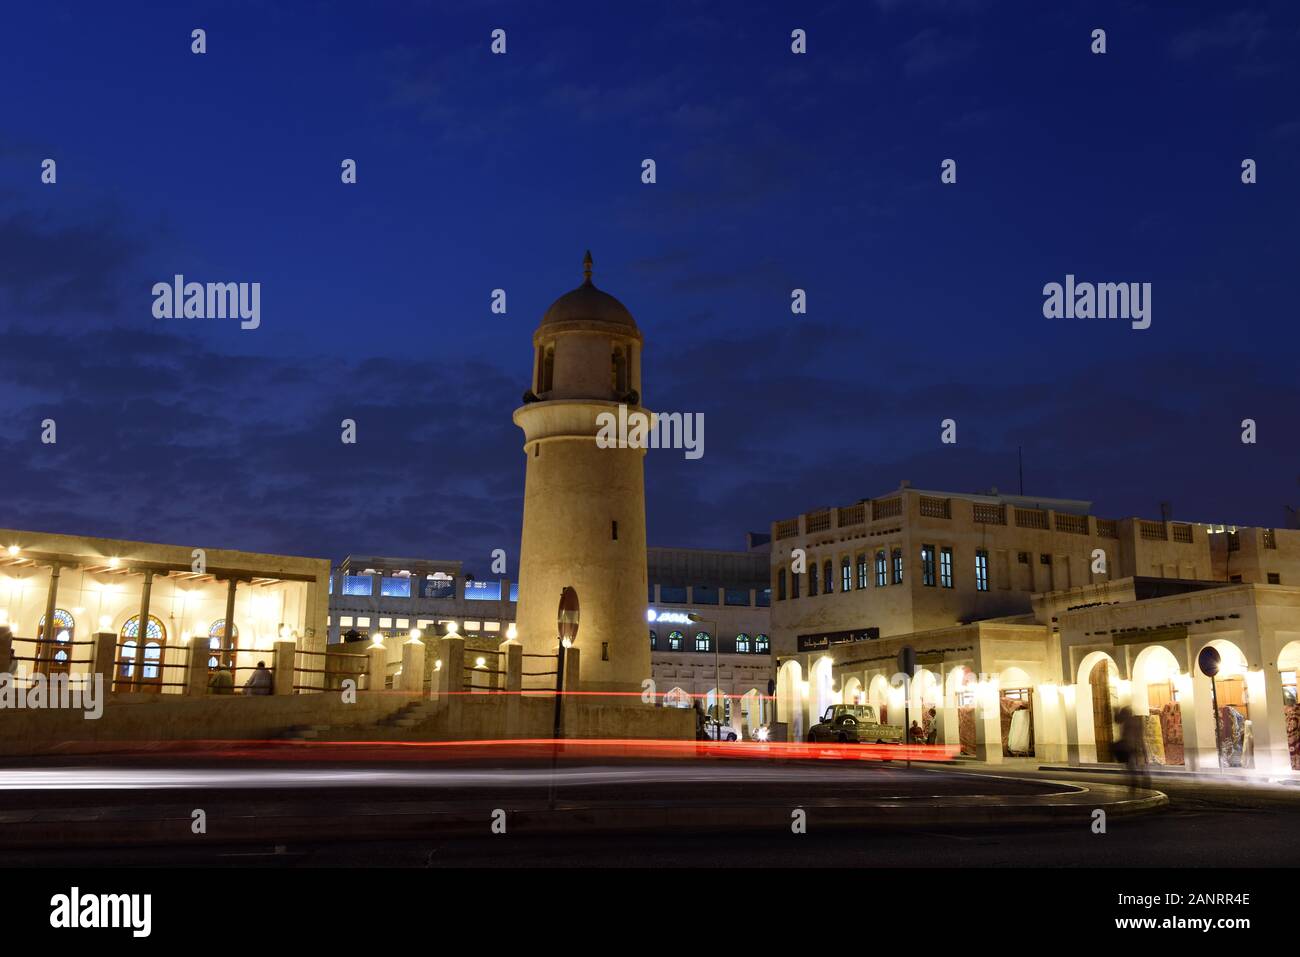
x,y
708,618
371,594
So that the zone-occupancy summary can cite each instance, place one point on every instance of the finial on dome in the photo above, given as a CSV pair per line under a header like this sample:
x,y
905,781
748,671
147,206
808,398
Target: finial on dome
x,y
586,269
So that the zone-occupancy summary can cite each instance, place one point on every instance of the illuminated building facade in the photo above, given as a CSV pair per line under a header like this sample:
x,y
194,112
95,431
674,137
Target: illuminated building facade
x,y
1007,609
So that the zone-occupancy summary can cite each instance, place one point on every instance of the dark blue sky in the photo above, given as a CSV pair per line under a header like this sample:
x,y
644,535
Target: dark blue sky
x,y
775,171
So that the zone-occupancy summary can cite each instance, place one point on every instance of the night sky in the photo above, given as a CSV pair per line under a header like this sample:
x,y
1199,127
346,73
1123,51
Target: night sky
x,y
775,171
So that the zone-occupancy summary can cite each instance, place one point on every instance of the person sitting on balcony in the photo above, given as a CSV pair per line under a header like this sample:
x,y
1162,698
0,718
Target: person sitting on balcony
x,y
259,682
222,681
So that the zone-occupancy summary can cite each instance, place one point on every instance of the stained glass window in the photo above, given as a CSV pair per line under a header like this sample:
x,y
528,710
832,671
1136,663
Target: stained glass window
x,y
674,641
62,619
155,630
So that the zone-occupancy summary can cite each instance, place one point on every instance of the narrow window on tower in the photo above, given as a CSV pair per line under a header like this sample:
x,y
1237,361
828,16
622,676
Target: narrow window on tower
x,y
862,571
880,569
780,585
812,581
846,575
613,530
927,565
604,651
981,570
828,577
548,369
897,557
945,567
618,371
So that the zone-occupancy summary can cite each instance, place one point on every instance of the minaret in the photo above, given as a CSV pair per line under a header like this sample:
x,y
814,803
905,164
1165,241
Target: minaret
x,y
584,506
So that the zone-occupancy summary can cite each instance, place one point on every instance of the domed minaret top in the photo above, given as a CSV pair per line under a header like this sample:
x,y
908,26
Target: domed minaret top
x,y
587,303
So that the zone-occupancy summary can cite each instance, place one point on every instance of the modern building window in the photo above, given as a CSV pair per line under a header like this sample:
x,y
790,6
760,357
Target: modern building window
x,y
762,645
981,570
862,571
483,591
703,641
846,575
672,594
357,584
945,567
780,585
927,565
897,558
674,641
736,596
880,569
742,644
828,577
704,594
395,587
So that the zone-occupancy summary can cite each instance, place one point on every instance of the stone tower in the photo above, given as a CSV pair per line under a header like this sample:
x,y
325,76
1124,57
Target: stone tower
x,y
584,506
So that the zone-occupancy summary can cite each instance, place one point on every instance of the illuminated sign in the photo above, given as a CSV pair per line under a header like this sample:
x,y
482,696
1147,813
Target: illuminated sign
x,y
671,617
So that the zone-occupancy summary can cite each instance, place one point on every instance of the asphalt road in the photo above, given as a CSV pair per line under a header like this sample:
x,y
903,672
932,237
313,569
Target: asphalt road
x,y
1206,825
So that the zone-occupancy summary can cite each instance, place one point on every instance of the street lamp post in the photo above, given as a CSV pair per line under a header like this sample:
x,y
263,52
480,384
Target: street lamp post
x,y
717,669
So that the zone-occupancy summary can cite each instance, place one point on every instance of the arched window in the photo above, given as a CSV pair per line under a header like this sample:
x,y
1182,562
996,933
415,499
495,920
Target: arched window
x,y
140,664
546,368
812,581
703,641
674,641
223,652
56,658
742,644
846,574
654,638
828,576
780,585
762,646
618,370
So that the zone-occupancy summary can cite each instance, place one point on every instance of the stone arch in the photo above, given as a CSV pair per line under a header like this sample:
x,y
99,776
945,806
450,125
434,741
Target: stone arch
x,y
1097,699
789,698
1229,691
821,693
852,690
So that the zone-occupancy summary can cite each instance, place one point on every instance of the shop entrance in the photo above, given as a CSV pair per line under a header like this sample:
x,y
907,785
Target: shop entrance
x,y
1103,715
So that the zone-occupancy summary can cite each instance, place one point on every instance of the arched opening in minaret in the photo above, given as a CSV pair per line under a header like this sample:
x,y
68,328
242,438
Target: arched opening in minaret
x,y
618,371
545,368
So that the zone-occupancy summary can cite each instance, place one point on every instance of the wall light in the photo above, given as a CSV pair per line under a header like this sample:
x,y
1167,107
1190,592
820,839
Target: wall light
x,y
14,549
512,632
